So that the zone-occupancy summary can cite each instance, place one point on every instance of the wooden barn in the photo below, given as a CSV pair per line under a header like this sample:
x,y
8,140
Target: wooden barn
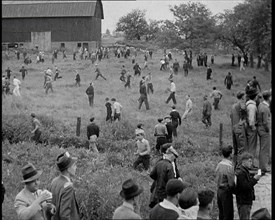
x,y
52,25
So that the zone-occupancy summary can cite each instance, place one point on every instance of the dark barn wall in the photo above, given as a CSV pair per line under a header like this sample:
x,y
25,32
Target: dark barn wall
x,y
62,29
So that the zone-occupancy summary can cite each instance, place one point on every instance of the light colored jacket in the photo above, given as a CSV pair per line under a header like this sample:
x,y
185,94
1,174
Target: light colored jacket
x,y
125,211
25,206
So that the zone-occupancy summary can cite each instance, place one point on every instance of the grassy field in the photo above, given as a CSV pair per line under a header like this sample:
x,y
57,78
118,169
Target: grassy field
x,y
100,177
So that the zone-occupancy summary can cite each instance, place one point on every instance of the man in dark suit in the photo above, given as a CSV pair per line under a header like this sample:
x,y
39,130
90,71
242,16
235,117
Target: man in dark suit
x,y
176,120
63,190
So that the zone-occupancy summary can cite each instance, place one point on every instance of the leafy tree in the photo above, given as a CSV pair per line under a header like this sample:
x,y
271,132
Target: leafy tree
x,y
134,24
153,29
194,24
248,27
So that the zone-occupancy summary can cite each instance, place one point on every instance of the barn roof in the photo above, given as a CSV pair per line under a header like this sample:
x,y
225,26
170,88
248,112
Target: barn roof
x,y
30,9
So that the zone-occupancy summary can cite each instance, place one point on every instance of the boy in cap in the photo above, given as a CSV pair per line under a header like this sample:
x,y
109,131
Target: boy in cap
x,y
264,125
163,171
168,208
245,193
172,93
130,207
217,95
225,184
30,202
63,190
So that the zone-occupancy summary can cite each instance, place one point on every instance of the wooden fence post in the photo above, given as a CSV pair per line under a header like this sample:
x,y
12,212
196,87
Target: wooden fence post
x,y
78,124
221,128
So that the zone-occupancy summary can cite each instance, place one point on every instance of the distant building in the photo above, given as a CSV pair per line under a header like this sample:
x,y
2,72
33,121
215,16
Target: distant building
x,y
52,24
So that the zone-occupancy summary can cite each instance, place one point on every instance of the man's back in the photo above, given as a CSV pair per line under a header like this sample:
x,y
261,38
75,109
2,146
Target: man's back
x,y
90,90
160,212
64,199
92,129
125,211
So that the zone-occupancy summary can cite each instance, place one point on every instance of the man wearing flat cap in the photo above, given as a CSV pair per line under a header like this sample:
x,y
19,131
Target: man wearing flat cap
x,y
251,129
30,202
63,191
130,208
164,170
264,125
168,208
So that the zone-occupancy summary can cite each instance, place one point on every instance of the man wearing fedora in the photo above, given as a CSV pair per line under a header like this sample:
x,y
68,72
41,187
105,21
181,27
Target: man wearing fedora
x,y
168,208
251,129
30,202
130,192
63,191
164,170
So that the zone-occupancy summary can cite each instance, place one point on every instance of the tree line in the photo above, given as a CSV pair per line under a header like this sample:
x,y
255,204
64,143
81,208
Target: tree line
x,y
246,28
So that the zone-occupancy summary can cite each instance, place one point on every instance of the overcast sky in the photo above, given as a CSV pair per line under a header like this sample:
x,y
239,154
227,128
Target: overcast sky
x,y
157,9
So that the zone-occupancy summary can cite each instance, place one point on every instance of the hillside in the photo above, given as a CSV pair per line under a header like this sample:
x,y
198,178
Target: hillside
x,y
198,146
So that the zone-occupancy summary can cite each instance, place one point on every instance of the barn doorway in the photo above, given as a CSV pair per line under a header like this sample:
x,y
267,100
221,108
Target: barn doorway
x,y
42,40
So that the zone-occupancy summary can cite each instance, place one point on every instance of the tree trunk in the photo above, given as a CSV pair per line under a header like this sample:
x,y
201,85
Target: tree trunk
x,y
251,61
259,62
266,64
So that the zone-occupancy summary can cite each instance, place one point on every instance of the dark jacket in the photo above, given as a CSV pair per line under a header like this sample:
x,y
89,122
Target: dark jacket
x,y
92,129
169,127
109,108
175,116
90,90
161,173
245,186
64,199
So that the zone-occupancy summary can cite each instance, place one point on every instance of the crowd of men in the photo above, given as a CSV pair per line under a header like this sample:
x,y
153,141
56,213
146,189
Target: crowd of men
x,y
171,197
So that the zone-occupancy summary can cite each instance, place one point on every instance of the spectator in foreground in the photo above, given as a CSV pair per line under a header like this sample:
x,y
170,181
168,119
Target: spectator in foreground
x,y
261,214
164,170
225,184
130,209
31,202
245,193
205,204
188,202
168,208
62,189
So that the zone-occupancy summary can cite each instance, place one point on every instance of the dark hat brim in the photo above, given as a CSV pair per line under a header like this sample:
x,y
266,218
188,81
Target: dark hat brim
x,y
35,177
132,195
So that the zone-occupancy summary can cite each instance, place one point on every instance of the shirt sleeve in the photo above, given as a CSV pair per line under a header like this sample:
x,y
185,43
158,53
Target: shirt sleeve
x,y
24,211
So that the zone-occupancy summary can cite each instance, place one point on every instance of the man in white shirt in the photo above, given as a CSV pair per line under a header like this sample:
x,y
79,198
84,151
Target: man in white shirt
x,y
16,83
172,93
188,107
117,107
